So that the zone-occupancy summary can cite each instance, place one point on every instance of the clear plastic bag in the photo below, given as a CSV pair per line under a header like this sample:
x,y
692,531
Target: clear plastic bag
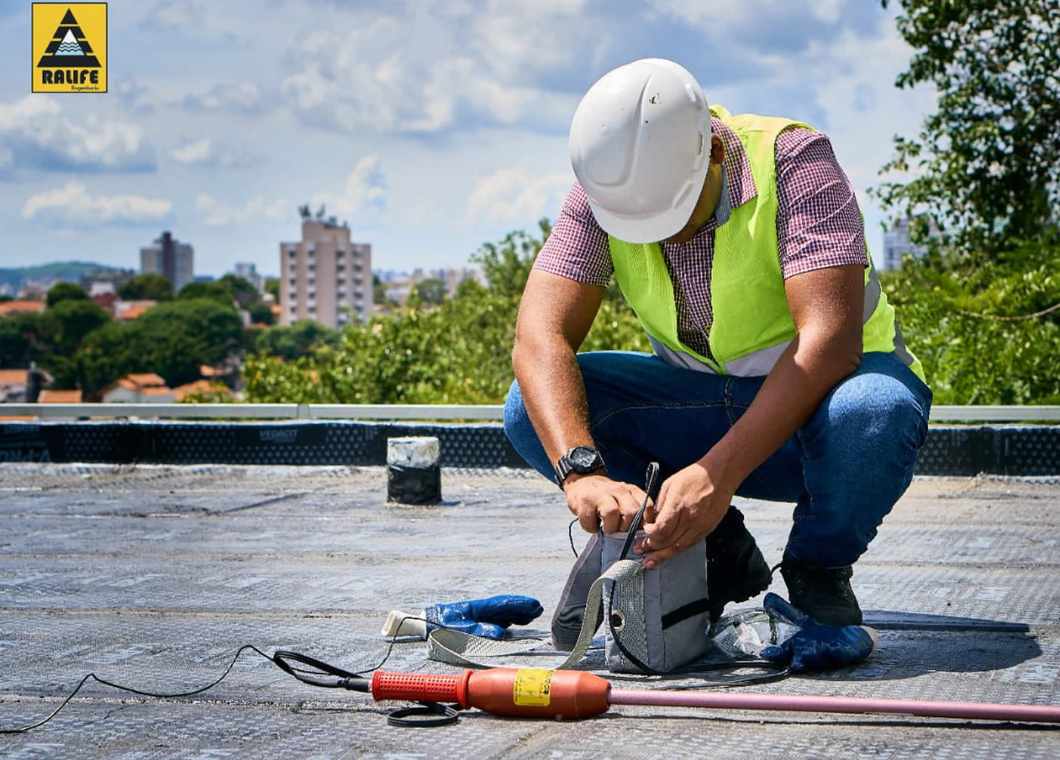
x,y
746,632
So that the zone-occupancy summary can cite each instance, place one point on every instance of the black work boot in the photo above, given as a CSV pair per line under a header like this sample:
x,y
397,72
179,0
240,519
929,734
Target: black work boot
x,y
736,569
823,593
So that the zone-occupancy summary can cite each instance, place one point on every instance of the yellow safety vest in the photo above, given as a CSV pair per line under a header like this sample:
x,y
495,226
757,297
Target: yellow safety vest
x,y
752,323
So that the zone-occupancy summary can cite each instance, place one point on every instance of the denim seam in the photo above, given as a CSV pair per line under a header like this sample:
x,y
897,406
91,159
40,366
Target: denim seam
x,y
804,456
612,412
730,402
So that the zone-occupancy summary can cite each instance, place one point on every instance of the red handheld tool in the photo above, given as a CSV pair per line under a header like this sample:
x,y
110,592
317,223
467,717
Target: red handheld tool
x,y
572,695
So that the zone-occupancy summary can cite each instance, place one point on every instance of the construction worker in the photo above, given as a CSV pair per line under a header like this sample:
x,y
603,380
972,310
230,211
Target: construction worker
x,y
778,372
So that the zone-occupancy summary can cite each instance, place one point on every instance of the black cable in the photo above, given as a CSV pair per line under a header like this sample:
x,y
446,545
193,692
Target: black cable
x,y
436,714
138,692
322,675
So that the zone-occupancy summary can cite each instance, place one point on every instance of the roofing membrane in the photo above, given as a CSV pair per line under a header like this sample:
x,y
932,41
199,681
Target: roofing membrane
x,y
153,576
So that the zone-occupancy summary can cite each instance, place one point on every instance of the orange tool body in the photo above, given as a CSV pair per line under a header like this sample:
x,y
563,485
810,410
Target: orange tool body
x,y
572,695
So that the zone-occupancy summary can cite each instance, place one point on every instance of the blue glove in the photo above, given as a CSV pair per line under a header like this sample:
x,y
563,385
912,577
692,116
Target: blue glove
x,y
484,617
817,647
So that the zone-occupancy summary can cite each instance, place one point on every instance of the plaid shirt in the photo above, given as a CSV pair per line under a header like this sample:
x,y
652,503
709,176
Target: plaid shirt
x,y
818,225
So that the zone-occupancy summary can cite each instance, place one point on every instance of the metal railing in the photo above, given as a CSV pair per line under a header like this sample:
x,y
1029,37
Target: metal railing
x,y
412,412
256,411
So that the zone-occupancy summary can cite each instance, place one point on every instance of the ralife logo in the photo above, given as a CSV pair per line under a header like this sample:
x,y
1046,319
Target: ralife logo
x,y
69,47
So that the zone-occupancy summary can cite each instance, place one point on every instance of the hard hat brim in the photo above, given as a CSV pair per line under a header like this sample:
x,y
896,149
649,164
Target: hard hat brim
x,y
653,229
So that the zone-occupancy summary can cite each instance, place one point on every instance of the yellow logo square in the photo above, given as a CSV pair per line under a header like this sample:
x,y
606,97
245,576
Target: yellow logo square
x,y
69,47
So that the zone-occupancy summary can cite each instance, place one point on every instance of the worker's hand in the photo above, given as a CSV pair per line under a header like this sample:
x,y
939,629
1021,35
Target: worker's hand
x,y
690,506
597,501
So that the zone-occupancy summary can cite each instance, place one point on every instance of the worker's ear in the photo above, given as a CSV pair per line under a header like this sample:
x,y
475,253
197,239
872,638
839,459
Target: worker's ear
x,y
717,150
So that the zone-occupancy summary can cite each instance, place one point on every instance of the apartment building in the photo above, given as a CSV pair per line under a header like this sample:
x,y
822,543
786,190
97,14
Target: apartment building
x,y
173,260
325,277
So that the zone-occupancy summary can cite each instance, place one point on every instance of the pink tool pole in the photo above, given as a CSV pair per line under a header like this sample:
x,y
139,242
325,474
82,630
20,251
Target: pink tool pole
x,y
963,710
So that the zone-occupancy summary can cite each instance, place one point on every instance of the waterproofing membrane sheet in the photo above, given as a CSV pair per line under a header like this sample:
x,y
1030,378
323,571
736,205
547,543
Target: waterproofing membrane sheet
x,y
153,576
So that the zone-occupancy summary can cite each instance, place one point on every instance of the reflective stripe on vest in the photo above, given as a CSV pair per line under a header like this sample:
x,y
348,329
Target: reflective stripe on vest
x,y
752,323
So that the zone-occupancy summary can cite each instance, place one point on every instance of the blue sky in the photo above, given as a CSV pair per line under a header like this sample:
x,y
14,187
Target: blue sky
x,y
430,125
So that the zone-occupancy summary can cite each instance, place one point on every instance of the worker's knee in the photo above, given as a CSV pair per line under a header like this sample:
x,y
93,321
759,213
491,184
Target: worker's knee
x,y
515,417
872,414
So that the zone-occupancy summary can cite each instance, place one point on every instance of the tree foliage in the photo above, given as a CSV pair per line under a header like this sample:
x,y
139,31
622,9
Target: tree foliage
x,y
432,291
986,164
146,287
261,313
62,291
242,291
296,340
458,352
172,339
979,327
216,290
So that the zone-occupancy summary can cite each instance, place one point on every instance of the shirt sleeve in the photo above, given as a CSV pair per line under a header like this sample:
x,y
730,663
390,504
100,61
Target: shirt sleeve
x,y
577,247
819,223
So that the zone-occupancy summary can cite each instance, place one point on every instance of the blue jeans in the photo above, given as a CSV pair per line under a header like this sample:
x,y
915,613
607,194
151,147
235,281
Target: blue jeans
x,y
844,469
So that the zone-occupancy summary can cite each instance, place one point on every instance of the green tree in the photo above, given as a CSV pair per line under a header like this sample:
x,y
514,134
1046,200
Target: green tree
x,y
432,291
507,264
296,340
146,287
261,313
272,287
456,353
172,339
62,291
989,332
216,290
20,340
241,289
66,324
986,164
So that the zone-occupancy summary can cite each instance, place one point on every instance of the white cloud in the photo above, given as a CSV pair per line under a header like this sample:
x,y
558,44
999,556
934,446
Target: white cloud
x,y
175,14
365,193
204,153
413,70
515,195
72,205
244,97
193,153
217,214
38,136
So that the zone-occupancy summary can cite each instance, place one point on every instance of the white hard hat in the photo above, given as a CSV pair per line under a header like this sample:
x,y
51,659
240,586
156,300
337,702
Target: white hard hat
x,y
640,147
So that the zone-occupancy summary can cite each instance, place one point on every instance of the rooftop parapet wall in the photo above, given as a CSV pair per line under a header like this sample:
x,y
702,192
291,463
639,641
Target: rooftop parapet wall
x,y
1014,450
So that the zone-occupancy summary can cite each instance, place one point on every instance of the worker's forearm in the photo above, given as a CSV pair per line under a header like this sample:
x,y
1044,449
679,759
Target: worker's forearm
x,y
553,392
807,371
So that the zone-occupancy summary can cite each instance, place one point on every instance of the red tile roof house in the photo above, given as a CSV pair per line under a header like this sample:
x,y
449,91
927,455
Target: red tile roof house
x,y
138,388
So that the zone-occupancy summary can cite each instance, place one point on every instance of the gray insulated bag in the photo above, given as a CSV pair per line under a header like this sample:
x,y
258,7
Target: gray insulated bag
x,y
655,621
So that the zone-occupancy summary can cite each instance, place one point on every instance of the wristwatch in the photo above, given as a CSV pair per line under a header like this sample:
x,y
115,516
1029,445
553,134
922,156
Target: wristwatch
x,y
580,459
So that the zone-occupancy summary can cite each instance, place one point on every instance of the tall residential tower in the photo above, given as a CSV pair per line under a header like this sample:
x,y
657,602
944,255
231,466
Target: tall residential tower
x,y
325,277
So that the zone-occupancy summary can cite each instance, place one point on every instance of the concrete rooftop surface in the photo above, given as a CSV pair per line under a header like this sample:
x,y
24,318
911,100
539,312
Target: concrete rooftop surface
x,y
154,576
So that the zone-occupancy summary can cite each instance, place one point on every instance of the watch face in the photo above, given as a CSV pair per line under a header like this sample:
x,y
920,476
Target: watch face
x,y
583,456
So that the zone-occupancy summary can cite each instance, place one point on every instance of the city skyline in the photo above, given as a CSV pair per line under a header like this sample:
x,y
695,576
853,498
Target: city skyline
x,y
431,128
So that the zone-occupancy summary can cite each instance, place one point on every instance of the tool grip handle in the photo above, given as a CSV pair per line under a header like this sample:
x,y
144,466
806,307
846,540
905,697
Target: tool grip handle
x,y
421,687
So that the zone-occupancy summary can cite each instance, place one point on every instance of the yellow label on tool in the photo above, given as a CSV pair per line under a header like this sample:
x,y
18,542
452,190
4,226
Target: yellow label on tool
x,y
532,687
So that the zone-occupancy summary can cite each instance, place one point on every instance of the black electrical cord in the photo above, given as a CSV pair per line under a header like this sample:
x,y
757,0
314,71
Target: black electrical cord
x,y
139,692
317,673
426,715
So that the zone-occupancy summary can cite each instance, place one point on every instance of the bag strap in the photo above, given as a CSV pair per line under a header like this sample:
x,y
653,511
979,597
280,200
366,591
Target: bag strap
x,y
462,649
